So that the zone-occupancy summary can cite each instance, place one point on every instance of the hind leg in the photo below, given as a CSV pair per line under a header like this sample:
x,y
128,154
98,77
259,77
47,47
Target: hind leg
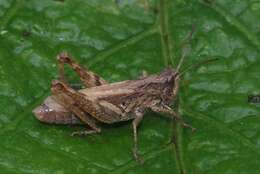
x,y
71,105
89,78
87,119
100,110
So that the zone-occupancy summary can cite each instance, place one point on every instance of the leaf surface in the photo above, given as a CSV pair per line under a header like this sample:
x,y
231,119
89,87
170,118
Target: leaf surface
x,y
118,40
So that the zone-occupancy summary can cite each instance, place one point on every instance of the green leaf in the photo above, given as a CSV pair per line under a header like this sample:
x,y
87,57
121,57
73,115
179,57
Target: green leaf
x,y
118,39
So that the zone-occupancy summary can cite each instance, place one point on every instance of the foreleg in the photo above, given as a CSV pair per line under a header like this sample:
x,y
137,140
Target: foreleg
x,y
168,111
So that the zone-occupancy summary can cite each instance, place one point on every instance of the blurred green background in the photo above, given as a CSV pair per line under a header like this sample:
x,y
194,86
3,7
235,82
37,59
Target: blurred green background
x,y
118,39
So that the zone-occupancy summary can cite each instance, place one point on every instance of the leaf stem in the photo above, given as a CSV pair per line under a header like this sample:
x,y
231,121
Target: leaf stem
x,y
164,31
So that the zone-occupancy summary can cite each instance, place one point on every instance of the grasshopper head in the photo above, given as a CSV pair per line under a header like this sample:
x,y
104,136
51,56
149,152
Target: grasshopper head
x,y
169,80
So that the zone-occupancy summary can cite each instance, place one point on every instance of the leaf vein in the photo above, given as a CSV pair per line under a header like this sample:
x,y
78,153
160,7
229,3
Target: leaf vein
x,y
27,111
149,155
223,128
10,13
129,41
235,22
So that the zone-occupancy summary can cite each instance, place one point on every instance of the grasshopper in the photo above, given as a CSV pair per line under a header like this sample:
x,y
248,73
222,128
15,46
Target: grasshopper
x,y
107,102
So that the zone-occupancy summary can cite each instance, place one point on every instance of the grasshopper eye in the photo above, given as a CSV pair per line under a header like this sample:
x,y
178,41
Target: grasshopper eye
x,y
123,105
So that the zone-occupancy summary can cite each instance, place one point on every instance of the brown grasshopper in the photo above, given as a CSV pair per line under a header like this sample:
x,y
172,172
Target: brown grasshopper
x,y
108,103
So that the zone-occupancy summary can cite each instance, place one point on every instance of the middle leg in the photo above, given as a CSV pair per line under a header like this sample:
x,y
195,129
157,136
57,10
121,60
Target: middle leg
x,y
135,123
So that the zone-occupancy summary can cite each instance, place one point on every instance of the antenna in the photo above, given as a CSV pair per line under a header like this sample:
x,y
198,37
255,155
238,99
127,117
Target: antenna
x,y
196,65
184,52
181,61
